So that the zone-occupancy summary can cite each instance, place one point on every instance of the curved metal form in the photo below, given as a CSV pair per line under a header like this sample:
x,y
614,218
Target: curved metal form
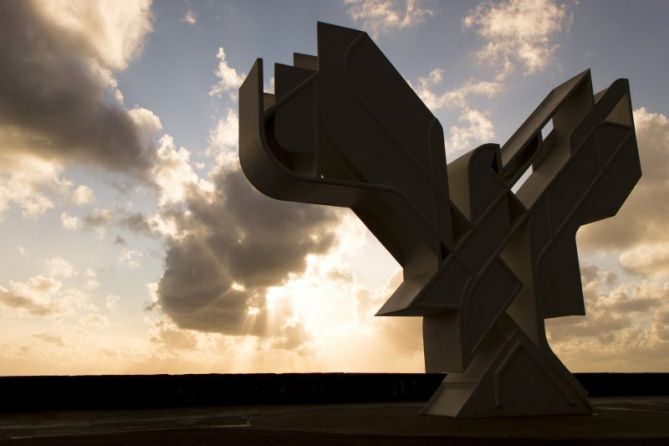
x,y
483,266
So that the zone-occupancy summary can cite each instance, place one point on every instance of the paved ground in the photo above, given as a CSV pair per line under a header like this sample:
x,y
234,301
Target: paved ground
x,y
617,421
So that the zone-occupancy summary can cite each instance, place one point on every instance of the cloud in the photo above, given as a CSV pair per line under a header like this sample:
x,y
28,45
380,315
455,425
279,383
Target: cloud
x,y
58,58
646,258
639,228
98,220
23,181
91,279
32,184
235,244
379,16
173,174
70,222
83,195
227,244
518,33
55,296
35,297
58,267
229,80
114,31
94,320
130,257
223,139
455,98
624,328
111,300
167,335
337,312
52,339
19,302
190,18
476,127
141,224
136,222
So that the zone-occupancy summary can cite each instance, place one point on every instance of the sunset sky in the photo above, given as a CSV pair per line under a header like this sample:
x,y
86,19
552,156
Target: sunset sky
x,y
132,242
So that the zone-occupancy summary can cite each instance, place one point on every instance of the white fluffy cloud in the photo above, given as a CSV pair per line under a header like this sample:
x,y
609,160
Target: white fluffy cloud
x,y
518,33
82,195
229,80
34,184
379,16
456,98
173,173
223,138
115,30
475,128
23,181
474,125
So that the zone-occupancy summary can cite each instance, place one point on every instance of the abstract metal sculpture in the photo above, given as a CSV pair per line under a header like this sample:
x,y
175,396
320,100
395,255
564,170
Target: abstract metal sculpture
x,y
482,265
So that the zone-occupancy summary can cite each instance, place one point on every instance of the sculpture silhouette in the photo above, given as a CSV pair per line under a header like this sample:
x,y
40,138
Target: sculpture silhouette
x,y
482,265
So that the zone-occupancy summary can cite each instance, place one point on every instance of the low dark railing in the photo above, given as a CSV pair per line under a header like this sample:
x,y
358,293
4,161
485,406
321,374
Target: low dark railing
x,y
37,393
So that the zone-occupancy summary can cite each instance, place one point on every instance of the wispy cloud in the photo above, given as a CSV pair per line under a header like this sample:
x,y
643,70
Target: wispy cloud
x,y
518,33
474,125
53,293
189,18
381,16
229,80
457,97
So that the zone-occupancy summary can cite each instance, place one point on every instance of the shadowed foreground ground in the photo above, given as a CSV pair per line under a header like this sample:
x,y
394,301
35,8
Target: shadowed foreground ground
x,y
309,409
617,421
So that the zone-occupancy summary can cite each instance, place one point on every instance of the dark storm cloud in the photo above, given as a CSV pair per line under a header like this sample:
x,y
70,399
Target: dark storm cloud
x,y
52,102
237,246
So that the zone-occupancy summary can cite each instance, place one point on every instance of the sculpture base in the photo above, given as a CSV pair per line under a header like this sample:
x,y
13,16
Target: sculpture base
x,y
510,376
615,421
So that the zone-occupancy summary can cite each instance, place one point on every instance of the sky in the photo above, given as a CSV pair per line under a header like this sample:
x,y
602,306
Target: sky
x,y
132,242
